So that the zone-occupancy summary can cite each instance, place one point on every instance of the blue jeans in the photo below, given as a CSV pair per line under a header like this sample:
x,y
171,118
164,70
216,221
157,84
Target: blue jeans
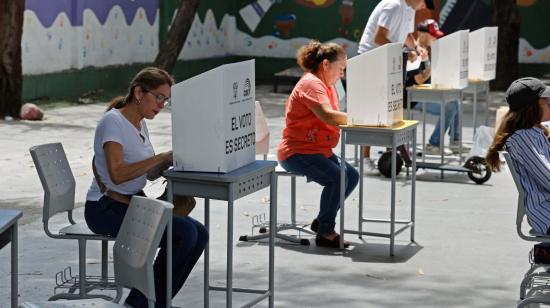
x,y
326,172
451,115
189,238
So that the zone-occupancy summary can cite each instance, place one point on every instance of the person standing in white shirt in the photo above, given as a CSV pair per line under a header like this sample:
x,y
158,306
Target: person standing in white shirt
x,y
391,21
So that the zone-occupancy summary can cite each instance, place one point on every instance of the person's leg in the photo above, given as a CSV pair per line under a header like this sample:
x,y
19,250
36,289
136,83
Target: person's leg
x,y
189,239
454,132
104,216
435,109
325,172
189,261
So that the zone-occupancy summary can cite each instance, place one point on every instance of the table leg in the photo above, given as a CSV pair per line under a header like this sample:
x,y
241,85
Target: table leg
x,y
442,134
229,276
169,262
169,192
475,110
272,228
14,266
423,132
360,225
393,176
342,186
206,290
487,103
413,186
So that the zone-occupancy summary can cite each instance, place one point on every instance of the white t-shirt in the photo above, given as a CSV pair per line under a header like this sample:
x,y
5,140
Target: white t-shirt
x,y
396,16
136,146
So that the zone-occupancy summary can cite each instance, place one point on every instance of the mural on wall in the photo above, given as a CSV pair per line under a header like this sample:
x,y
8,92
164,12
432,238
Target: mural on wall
x,y
66,34
73,34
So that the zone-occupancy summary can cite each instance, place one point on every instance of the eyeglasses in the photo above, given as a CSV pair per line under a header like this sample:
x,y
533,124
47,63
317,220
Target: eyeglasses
x,y
160,98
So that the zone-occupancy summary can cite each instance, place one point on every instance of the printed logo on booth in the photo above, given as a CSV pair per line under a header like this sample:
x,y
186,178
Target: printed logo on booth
x,y
247,87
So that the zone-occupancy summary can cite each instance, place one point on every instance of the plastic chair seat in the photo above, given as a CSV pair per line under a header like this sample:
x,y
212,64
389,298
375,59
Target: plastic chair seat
x,y
536,234
73,303
81,229
281,171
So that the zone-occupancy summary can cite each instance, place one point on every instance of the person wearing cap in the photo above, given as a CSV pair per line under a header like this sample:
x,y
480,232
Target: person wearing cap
x,y
527,141
419,72
391,21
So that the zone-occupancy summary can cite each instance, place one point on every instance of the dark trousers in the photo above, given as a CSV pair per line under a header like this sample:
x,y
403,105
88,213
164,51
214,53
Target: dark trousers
x,y
326,172
189,238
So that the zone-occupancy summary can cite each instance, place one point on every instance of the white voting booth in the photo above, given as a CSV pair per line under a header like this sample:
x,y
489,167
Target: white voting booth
x,y
213,119
450,61
482,55
375,87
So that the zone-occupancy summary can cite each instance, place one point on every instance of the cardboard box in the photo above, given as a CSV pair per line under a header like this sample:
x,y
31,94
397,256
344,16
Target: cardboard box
x,y
450,61
482,54
375,86
213,119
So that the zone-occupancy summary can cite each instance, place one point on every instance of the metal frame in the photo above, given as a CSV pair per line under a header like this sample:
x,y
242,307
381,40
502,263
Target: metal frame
x,y
538,293
59,193
475,87
292,225
429,94
386,137
8,233
230,187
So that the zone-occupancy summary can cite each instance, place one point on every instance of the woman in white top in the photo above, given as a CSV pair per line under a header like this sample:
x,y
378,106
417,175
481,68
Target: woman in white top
x,y
124,160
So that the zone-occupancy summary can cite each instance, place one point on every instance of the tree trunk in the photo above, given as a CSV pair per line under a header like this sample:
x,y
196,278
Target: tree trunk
x,y
170,49
11,72
506,17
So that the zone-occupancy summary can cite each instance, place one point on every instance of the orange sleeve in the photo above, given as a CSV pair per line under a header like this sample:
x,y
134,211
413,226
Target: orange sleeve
x,y
314,93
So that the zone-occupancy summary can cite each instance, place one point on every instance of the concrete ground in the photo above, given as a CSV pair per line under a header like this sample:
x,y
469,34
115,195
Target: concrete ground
x,y
466,253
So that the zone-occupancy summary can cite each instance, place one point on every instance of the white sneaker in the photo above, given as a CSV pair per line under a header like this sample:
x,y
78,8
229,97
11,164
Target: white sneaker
x,y
434,150
454,146
370,167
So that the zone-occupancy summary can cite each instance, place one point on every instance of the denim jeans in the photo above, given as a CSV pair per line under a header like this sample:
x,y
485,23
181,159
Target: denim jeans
x,y
326,172
189,238
451,115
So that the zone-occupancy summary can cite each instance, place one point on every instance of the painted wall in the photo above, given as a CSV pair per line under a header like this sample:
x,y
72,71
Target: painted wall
x,y
73,34
60,35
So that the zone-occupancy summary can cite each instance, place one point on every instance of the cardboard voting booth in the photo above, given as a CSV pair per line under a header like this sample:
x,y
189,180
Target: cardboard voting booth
x,y
213,119
450,61
375,87
482,55
262,131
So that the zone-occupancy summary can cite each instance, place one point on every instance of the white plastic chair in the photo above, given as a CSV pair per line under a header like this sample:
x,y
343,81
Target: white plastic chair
x,y
533,277
133,253
59,197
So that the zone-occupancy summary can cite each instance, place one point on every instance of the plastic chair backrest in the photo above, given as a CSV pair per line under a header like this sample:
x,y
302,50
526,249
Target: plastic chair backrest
x,y
137,242
262,131
521,197
56,177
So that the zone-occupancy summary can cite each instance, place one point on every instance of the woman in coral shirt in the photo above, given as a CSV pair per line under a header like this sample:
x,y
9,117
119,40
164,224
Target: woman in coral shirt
x,y
312,119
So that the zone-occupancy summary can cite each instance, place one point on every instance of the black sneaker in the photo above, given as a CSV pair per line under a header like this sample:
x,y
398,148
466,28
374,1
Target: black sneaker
x,y
314,225
321,241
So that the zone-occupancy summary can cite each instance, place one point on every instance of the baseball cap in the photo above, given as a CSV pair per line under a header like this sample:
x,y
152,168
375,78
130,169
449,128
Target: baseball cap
x,y
430,26
525,91
429,4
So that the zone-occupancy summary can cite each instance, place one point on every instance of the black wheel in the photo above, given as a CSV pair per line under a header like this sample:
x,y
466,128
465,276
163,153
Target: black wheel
x,y
479,172
263,230
384,164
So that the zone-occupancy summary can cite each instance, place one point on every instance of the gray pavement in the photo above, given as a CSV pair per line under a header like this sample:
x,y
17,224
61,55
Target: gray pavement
x,y
467,253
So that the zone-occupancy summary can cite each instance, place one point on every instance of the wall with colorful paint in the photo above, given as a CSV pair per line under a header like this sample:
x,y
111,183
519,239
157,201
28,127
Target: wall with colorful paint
x,y
68,35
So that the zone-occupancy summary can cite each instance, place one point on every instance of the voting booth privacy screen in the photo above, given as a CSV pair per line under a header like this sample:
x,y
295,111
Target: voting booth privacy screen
x,y
375,87
450,61
482,55
213,119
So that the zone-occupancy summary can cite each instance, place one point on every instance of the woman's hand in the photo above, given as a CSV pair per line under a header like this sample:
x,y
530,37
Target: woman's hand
x,y
166,160
120,172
